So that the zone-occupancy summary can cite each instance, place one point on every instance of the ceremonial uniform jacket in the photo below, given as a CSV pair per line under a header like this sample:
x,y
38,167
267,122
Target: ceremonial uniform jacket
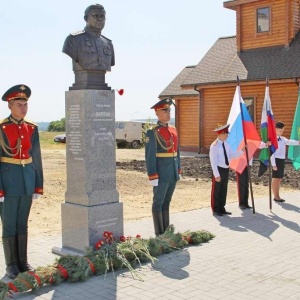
x,y
89,52
22,173
162,153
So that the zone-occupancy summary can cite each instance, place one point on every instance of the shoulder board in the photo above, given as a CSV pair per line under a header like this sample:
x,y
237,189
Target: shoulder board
x,y
153,126
215,143
171,126
105,37
30,122
4,121
77,32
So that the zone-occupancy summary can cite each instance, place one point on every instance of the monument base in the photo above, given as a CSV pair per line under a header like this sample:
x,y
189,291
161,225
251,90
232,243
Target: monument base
x,y
83,226
89,80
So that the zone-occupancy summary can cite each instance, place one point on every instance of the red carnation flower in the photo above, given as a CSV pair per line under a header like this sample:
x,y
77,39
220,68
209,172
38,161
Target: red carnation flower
x,y
99,244
138,236
121,92
122,238
106,234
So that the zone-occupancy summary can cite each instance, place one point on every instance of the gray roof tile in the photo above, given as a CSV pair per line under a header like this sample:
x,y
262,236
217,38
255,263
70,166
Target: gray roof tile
x,y
174,89
222,63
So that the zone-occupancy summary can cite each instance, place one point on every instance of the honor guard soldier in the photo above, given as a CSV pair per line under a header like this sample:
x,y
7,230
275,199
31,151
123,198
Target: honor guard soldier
x,y
163,164
220,154
21,178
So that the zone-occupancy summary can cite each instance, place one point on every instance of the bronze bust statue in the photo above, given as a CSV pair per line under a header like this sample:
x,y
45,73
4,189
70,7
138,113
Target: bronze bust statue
x,y
91,52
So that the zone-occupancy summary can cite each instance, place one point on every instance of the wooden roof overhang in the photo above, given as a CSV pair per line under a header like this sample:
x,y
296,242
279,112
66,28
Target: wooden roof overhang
x,y
233,4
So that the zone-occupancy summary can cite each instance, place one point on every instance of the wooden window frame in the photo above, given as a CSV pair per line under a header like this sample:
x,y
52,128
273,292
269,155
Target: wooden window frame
x,y
270,20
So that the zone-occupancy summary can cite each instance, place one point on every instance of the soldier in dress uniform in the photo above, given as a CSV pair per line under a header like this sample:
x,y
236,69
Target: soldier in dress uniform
x,y
163,164
220,154
21,178
88,48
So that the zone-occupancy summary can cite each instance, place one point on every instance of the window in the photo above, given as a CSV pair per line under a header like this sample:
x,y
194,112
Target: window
x,y
249,102
263,19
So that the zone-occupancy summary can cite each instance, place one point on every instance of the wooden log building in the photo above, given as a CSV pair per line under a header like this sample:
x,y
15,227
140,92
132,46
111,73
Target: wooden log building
x,y
267,44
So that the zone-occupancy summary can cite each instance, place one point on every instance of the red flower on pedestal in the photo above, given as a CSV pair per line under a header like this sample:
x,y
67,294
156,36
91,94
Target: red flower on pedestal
x,y
120,92
138,236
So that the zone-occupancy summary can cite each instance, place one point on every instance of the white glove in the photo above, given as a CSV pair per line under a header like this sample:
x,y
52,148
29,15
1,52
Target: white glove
x,y
1,199
36,196
154,182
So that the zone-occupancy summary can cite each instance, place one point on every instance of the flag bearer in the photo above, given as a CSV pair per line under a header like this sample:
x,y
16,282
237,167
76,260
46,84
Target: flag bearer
x,y
278,160
242,180
21,178
220,154
163,164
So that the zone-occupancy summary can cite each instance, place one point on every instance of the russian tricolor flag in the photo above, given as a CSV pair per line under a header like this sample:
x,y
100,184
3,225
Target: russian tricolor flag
x,y
267,129
241,130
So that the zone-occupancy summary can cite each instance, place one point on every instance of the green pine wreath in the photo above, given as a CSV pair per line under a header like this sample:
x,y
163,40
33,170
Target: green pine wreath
x,y
107,255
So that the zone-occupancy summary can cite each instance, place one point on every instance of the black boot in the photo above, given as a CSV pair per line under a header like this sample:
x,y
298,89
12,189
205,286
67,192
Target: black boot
x,y
166,219
11,256
158,222
24,266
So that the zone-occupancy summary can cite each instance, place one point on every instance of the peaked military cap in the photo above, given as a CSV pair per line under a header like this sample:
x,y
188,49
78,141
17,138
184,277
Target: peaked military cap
x,y
222,129
279,125
17,92
164,103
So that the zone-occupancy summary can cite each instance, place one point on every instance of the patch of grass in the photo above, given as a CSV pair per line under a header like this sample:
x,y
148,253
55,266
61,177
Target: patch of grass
x,y
47,140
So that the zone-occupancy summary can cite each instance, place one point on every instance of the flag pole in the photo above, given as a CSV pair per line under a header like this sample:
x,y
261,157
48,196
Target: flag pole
x,y
270,166
246,148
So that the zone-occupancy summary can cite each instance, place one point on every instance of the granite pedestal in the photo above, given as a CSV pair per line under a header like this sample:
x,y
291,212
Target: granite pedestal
x,y
91,202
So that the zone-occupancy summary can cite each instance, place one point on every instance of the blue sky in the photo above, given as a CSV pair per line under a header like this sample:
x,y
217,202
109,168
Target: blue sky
x,y
153,40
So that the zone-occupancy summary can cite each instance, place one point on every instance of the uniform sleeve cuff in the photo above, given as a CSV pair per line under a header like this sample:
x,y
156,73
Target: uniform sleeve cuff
x,y
153,176
38,191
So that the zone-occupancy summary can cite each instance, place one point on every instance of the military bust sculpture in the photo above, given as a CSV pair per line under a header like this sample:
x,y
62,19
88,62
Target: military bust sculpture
x,y
91,52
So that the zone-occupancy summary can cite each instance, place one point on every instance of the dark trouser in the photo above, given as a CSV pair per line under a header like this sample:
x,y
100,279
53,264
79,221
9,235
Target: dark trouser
x,y
219,191
14,215
243,187
162,196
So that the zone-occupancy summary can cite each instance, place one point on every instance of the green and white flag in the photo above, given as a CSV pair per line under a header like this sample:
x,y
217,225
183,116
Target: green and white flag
x,y
294,151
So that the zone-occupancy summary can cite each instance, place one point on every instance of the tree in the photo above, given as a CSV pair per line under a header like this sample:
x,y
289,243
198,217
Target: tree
x,y
58,126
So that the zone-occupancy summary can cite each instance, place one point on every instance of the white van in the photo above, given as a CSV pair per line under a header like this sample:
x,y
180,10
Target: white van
x,y
129,134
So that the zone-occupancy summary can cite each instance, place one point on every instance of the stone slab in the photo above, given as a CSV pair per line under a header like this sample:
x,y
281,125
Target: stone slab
x,y
91,148
83,226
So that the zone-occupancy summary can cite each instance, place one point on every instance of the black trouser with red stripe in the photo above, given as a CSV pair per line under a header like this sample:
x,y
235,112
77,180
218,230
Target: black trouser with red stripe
x,y
243,187
219,191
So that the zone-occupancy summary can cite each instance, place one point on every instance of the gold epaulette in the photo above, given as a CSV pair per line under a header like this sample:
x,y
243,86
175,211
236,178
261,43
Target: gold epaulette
x,y
30,122
153,126
4,120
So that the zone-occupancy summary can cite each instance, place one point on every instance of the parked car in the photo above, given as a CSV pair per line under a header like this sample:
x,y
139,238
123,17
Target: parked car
x,y
61,138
